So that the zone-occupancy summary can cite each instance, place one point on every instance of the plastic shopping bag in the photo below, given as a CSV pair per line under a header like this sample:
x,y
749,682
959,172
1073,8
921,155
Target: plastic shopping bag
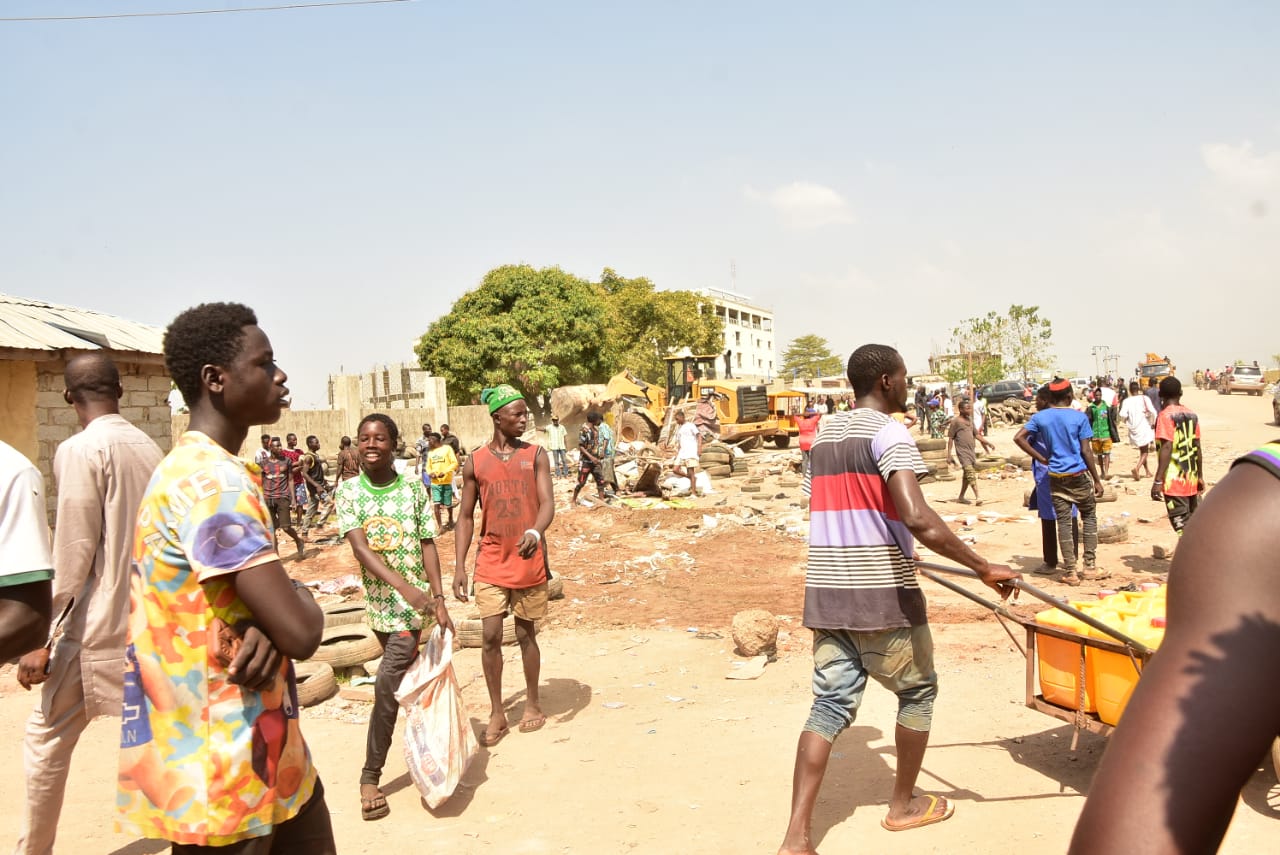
x,y
438,740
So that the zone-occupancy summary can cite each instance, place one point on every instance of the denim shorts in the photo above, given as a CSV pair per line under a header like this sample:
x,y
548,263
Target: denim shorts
x,y
900,659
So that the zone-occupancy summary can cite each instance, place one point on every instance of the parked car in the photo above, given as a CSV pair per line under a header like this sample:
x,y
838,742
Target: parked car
x,y
1243,378
1001,391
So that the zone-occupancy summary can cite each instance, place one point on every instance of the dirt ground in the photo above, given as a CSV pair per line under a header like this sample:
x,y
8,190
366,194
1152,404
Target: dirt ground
x,y
649,748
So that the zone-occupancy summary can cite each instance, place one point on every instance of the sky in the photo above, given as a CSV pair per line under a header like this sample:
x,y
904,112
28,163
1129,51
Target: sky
x,y
869,171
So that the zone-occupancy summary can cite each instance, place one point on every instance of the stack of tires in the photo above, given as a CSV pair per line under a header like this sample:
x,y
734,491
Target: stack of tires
x,y
719,461
934,452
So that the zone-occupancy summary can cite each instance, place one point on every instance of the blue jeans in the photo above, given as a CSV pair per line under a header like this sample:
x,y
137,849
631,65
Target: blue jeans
x,y
561,462
901,660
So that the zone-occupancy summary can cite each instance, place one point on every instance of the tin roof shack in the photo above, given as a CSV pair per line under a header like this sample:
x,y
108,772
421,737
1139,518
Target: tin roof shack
x,y
36,340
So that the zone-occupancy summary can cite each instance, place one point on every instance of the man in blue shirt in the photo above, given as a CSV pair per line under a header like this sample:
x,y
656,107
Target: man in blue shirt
x,y
1067,434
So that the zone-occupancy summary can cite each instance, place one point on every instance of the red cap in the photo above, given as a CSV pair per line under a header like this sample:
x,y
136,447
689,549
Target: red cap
x,y
1158,622
1059,385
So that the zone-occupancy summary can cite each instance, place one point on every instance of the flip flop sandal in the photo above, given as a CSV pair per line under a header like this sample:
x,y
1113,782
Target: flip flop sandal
x,y
929,817
489,740
374,808
533,724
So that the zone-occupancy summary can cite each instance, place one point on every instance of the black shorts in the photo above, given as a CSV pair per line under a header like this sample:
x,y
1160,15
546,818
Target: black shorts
x,y
1180,510
280,509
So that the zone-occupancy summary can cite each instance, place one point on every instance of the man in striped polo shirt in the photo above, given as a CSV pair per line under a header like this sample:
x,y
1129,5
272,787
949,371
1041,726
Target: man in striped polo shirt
x,y
862,599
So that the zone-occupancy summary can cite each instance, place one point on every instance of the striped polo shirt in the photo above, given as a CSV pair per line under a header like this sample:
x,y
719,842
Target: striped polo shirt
x,y
860,574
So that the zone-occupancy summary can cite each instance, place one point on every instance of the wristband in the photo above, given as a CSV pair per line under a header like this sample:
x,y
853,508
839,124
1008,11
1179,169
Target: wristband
x,y
537,535
438,596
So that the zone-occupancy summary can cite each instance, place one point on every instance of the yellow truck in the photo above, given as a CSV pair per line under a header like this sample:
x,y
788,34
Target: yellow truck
x,y
736,412
1157,366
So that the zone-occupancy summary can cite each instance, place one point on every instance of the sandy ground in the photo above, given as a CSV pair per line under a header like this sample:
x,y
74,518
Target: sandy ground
x,y
692,761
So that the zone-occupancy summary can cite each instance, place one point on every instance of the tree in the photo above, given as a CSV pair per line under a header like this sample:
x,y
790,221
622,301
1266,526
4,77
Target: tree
x,y
980,344
645,324
534,329
1028,338
810,356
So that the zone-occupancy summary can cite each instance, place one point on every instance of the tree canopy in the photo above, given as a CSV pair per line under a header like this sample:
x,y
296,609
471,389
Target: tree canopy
x,y
542,328
810,356
1018,341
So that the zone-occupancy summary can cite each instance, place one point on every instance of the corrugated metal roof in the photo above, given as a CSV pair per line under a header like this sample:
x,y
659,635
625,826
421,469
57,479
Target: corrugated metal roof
x,y
34,325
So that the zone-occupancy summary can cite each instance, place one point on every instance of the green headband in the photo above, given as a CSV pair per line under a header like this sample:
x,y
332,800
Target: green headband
x,y
499,396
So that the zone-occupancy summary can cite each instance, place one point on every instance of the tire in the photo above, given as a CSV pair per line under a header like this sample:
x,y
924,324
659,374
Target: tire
x,y
1116,532
633,426
341,614
316,682
1275,757
714,458
1022,461
471,631
931,444
555,588
944,475
751,443
718,470
1108,494
782,440
346,645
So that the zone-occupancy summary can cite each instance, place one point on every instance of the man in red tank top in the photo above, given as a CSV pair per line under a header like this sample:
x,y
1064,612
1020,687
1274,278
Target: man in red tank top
x,y
512,480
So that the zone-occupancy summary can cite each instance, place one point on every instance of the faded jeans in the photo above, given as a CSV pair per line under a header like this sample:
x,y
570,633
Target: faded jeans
x,y
1068,490
561,461
399,649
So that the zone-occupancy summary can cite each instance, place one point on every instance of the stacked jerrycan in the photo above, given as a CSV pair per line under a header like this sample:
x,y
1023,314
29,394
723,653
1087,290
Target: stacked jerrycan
x,y
1109,677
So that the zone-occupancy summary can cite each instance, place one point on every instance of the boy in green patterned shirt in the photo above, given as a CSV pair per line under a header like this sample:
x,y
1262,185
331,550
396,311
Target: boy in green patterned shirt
x,y
386,518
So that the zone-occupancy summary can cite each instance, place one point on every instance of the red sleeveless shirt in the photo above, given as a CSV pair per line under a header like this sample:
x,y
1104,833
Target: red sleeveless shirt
x,y
509,507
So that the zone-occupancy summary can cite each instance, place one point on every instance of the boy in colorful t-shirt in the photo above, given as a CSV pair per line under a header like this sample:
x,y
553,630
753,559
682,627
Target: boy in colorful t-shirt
x,y
383,516
211,751
1100,420
1179,459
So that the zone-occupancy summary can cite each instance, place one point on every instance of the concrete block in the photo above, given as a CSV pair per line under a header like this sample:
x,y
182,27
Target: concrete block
x,y
52,400
133,383
63,416
53,433
136,415
159,415
141,398
159,383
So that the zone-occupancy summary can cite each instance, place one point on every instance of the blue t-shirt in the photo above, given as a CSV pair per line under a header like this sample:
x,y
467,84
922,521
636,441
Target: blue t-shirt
x,y
1062,429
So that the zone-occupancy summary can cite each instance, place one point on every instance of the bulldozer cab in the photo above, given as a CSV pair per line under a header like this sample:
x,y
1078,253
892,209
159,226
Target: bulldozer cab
x,y
687,374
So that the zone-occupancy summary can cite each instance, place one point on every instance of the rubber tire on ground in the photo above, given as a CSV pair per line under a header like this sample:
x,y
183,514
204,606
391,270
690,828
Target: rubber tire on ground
x,y
1022,461
555,588
719,470
340,614
751,443
944,475
316,682
633,426
347,645
931,444
1116,532
471,631
782,440
1108,494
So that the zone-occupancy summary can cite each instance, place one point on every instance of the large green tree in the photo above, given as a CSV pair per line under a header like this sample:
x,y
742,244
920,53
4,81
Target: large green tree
x,y
978,344
810,356
534,329
1017,342
539,329
1030,339
645,324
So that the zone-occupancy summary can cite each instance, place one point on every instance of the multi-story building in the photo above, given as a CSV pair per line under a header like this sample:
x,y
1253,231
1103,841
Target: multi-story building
x,y
391,387
748,333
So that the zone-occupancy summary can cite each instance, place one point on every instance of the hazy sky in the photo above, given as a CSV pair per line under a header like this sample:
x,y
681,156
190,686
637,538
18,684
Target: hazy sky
x,y
876,172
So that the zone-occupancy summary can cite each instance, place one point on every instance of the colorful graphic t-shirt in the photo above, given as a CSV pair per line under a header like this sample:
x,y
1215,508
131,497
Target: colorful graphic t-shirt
x,y
1180,428
441,464
1100,420
395,519
277,478
203,761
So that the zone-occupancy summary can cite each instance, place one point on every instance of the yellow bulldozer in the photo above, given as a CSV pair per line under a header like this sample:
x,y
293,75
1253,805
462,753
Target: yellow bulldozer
x,y
737,413
1155,365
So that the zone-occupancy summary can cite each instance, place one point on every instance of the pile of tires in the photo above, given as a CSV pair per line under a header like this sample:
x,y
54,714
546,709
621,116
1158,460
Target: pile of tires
x,y
1113,532
934,452
342,613
719,461
347,645
471,630
316,682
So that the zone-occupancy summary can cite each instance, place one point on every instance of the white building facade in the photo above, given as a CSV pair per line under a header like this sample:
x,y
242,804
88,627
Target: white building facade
x,y
748,333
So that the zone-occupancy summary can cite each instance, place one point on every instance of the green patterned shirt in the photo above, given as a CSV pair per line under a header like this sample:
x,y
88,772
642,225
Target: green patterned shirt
x,y
395,520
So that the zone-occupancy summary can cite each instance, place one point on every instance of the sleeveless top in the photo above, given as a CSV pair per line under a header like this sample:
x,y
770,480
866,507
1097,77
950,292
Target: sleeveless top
x,y
509,502
1268,457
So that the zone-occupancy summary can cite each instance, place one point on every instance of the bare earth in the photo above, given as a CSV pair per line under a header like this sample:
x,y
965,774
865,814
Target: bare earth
x,y
650,749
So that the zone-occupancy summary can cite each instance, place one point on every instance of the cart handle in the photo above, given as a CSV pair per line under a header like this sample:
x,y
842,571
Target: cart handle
x,y
1023,585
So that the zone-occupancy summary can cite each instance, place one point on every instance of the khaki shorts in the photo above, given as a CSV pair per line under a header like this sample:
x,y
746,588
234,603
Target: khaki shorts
x,y
524,603
1101,446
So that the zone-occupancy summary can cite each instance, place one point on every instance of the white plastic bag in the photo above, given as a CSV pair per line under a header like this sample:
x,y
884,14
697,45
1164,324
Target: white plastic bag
x,y
438,741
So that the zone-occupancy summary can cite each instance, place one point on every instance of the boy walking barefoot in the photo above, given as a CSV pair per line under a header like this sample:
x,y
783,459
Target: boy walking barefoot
x,y
962,438
512,480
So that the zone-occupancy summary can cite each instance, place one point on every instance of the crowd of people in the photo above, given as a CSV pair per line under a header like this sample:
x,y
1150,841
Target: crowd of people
x,y
170,606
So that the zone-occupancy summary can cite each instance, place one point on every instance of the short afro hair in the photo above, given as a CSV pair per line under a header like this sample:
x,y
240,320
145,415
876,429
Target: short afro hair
x,y
1171,387
209,334
868,364
386,421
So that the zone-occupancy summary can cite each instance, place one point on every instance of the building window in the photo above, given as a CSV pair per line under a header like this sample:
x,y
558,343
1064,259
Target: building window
x,y
737,338
739,359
